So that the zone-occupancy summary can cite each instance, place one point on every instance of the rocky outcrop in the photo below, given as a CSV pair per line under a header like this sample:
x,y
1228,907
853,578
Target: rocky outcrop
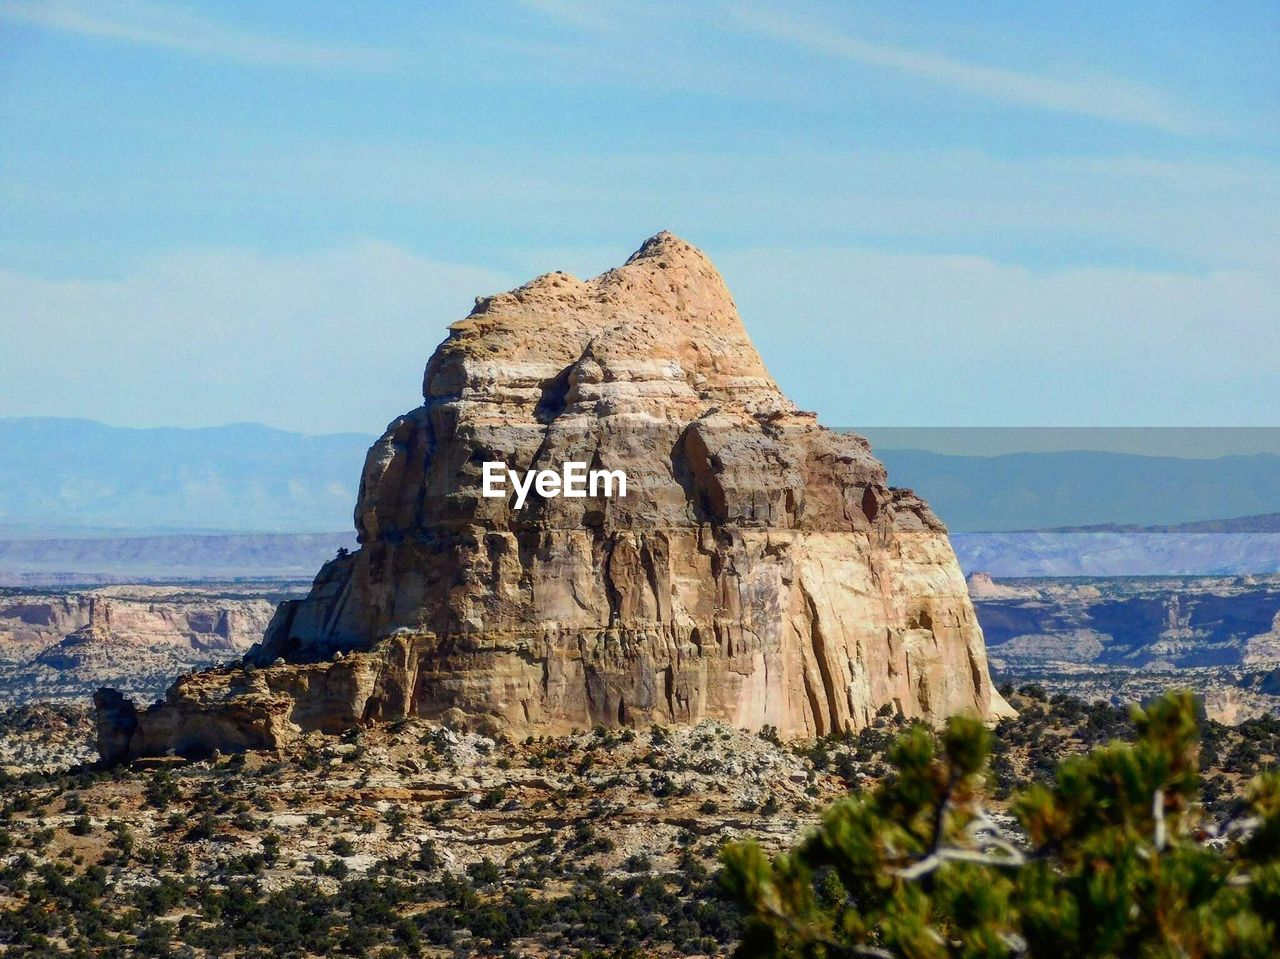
x,y
1132,622
759,570
1263,649
140,616
982,586
65,646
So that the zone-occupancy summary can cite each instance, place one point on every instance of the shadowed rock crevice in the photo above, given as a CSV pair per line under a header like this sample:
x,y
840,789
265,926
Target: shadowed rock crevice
x,y
818,645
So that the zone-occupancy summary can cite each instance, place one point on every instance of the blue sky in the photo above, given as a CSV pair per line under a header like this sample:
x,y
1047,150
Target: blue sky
x,y
930,214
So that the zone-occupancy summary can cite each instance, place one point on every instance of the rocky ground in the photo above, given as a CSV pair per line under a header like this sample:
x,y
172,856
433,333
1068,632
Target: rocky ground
x,y
410,839
45,738
544,846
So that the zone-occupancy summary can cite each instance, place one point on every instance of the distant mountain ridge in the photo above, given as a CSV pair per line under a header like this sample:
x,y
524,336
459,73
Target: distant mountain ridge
x,y
1101,513
1060,490
1263,523
170,557
1243,545
1109,552
242,477
79,479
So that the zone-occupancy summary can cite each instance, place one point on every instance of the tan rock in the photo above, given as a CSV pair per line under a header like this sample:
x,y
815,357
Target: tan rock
x,y
134,616
982,586
759,570
135,637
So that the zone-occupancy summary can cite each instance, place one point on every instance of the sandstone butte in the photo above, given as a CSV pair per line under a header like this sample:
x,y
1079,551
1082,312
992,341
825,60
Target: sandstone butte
x,y
760,570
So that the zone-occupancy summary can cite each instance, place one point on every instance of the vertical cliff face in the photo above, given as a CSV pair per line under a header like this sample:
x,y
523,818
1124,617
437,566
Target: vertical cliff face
x,y
759,569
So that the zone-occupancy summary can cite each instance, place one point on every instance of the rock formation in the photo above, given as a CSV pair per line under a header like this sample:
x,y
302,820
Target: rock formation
x,y
141,616
1129,623
759,570
982,586
62,646
1265,647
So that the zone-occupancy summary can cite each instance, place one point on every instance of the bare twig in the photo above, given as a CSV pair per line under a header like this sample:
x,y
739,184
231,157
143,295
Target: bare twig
x,y
931,862
1157,813
1238,822
984,832
994,839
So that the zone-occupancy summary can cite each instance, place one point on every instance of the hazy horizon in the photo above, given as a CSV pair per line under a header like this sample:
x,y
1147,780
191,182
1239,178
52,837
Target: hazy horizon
x,y
247,477
1194,442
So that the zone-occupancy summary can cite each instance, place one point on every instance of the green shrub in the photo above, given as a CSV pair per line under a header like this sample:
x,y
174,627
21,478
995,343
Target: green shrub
x,y
1114,862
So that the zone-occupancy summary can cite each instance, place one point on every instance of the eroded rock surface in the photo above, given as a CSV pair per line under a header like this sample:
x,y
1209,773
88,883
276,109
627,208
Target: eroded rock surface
x,y
63,645
759,571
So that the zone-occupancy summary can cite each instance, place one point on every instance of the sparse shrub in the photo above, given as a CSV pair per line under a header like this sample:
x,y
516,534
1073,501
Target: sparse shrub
x,y
770,735
484,873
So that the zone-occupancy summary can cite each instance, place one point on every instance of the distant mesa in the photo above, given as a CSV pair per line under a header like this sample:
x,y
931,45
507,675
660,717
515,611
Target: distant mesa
x,y
982,586
63,645
759,571
1246,545
79,560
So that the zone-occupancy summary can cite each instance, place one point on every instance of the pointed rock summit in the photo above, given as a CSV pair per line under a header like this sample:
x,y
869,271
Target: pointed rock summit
x,y
758,570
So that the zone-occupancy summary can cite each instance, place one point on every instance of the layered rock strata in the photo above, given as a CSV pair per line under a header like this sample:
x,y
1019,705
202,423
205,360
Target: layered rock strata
x,y
759,570
138,616
62,646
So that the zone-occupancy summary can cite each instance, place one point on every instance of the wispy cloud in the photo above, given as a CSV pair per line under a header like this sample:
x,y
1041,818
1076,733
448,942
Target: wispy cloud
x,y
995,344
1094,95
196,336
173,28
